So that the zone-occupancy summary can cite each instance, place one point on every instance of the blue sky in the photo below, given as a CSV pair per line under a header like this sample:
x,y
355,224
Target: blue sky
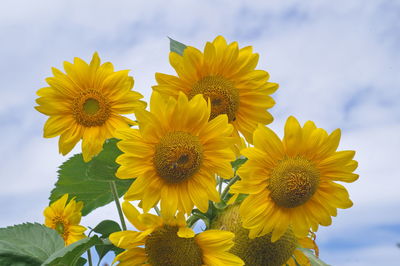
x,y
337,64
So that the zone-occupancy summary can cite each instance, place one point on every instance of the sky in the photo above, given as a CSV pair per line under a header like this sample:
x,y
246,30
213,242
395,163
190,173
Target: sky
x,y
337,64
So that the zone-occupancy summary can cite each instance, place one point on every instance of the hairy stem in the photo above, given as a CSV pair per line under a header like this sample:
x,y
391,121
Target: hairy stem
x,y
226,189
116,199
89,256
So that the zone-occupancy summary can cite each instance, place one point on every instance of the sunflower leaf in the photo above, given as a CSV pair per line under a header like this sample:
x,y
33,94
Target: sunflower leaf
x,y
106,227
102,250
90,182
28,244
71,255
176,46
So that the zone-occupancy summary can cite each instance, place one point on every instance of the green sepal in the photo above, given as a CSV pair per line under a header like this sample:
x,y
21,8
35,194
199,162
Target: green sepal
x,y
90,182
207,217
176,46
238,162
314,260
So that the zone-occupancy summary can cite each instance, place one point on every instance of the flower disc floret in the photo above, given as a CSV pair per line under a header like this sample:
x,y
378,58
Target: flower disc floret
x,y
261,251
178,156
224,97
293,182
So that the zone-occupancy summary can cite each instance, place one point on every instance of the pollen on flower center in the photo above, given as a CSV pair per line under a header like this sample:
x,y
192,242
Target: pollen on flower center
x,y
165,248
91,108
223,95
178,156
293,182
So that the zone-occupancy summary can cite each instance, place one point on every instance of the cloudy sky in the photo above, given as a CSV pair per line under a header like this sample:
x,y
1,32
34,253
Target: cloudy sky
x,y
337,64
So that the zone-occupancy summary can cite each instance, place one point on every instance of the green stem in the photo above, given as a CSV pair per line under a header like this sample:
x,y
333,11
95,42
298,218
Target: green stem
x,y
226,189
220,184
89,255
157,210
116,199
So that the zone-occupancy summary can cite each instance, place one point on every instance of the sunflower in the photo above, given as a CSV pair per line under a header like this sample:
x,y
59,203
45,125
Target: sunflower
x,y
65,218
175,154
291,182
86,103
227,76
168,242
260,251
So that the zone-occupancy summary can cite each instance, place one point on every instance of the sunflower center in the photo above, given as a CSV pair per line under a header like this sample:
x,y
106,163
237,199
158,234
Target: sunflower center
x,y
259,251
60,228
178,156
223,95
165,248
293,182
91,108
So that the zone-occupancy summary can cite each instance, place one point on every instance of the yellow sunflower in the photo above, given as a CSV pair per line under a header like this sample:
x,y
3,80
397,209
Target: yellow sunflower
x,y
86,103
65,219
176,154
260,251
227,75
291,182
168,242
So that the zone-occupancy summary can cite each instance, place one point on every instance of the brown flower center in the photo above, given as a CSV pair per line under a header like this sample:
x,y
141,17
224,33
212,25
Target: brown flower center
x,y
223,95
165,248
259,251
91,108
293,182
178,156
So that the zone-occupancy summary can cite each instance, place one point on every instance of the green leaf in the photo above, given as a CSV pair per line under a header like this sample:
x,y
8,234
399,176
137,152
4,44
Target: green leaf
x,y
18,260
28,244
70,255
103,167
238,162
176,46
313,259
106,227
90,182
102,250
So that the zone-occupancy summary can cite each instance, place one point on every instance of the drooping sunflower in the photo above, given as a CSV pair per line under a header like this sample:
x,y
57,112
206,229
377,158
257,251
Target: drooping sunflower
x,y
65,219
261,251
175,154
227,75
86,103
291,182
168,242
